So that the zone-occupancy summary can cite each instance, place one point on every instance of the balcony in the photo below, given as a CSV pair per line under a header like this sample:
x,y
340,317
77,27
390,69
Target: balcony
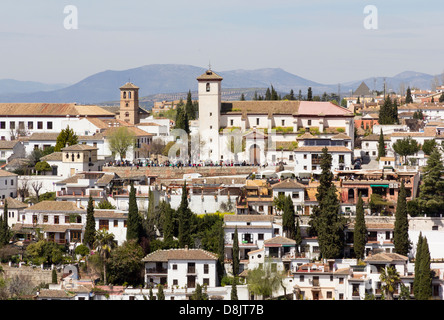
x,y
157,270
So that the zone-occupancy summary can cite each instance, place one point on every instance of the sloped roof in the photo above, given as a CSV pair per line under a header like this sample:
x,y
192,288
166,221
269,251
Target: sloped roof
x,y
51,109
13,203
48,205
279,240
362,90
179,254
288,184
6,144
319,149
79,147
55,156
129,85
386,257
209,75
247,217
44,136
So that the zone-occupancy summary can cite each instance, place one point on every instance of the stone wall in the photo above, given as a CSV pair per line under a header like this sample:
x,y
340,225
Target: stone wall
x,y
177,173
35,275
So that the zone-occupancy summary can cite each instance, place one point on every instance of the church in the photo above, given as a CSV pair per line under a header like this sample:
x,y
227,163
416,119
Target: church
x,y
269,132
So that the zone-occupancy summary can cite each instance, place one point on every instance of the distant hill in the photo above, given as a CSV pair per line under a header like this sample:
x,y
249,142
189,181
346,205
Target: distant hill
x,y
172,80
8,86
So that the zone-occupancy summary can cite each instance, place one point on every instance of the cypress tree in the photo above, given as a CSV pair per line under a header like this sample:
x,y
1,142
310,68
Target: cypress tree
x,y
185,216
325,222
288,218
235,253
234,290
360,230
189,108
401,230
134,223
242,98
309,94
4,227
418,256
381,145
274,95
221,253
268,94
425,280
168,222
90,226
408,97
160,294
54,276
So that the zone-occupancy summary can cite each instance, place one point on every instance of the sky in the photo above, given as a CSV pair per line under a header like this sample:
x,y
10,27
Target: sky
x,y
321,40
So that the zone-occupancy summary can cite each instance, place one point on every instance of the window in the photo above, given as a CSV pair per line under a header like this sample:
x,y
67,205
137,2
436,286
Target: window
x,y
329,295
12,125
21,125
231,122
341,280
305,167
174,266
283,122
295,195
211,114
301,278
206,281
208,87
309,122
39,124
45,218
56,219
206,268
305,156
260,236
30,125
66,219
2,125
257,121
103,224
175,282
116,223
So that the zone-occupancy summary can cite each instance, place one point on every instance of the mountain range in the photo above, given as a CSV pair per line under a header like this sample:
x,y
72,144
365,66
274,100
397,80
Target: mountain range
x,y
169,80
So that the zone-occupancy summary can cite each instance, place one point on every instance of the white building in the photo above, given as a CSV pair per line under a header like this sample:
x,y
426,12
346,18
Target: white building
x,y
264,124
8,184
181,268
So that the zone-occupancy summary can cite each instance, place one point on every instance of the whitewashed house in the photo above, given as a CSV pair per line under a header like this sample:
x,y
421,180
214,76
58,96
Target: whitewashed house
x,y
181,268
8,184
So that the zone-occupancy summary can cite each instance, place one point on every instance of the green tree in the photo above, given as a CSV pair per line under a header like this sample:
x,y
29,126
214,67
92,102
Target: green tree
x,y
360,230
431,190
104,242
189,107
160,293
185,216
309,94
42,166
389,281
45,251
401,230
54,276
406,147
235,253
125,264
264,281
425,273
105,204
418,256
67,137
5,233
428,146
90,226
381,145
388,113
242,97
326,223
408,96
182,120
199,294
441,98
120,140
234,290
288,219
168,214
221,253
134,222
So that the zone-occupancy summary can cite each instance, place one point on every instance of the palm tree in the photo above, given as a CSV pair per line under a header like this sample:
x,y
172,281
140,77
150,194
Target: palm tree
x,y
104,243
389,281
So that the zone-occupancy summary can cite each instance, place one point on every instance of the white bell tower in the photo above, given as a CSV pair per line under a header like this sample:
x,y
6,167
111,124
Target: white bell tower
x,y
209,91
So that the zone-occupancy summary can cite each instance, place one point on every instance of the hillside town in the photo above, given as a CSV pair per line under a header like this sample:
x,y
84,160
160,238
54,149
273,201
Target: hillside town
x,y
309,197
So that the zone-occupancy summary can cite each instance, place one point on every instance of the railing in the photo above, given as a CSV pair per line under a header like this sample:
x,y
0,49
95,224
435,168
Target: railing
x,y
157,270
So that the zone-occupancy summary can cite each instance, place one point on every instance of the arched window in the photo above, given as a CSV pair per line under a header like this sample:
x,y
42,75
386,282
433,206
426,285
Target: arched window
x,y
129,95
72,157
208,87
126,105
124,94
126,114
